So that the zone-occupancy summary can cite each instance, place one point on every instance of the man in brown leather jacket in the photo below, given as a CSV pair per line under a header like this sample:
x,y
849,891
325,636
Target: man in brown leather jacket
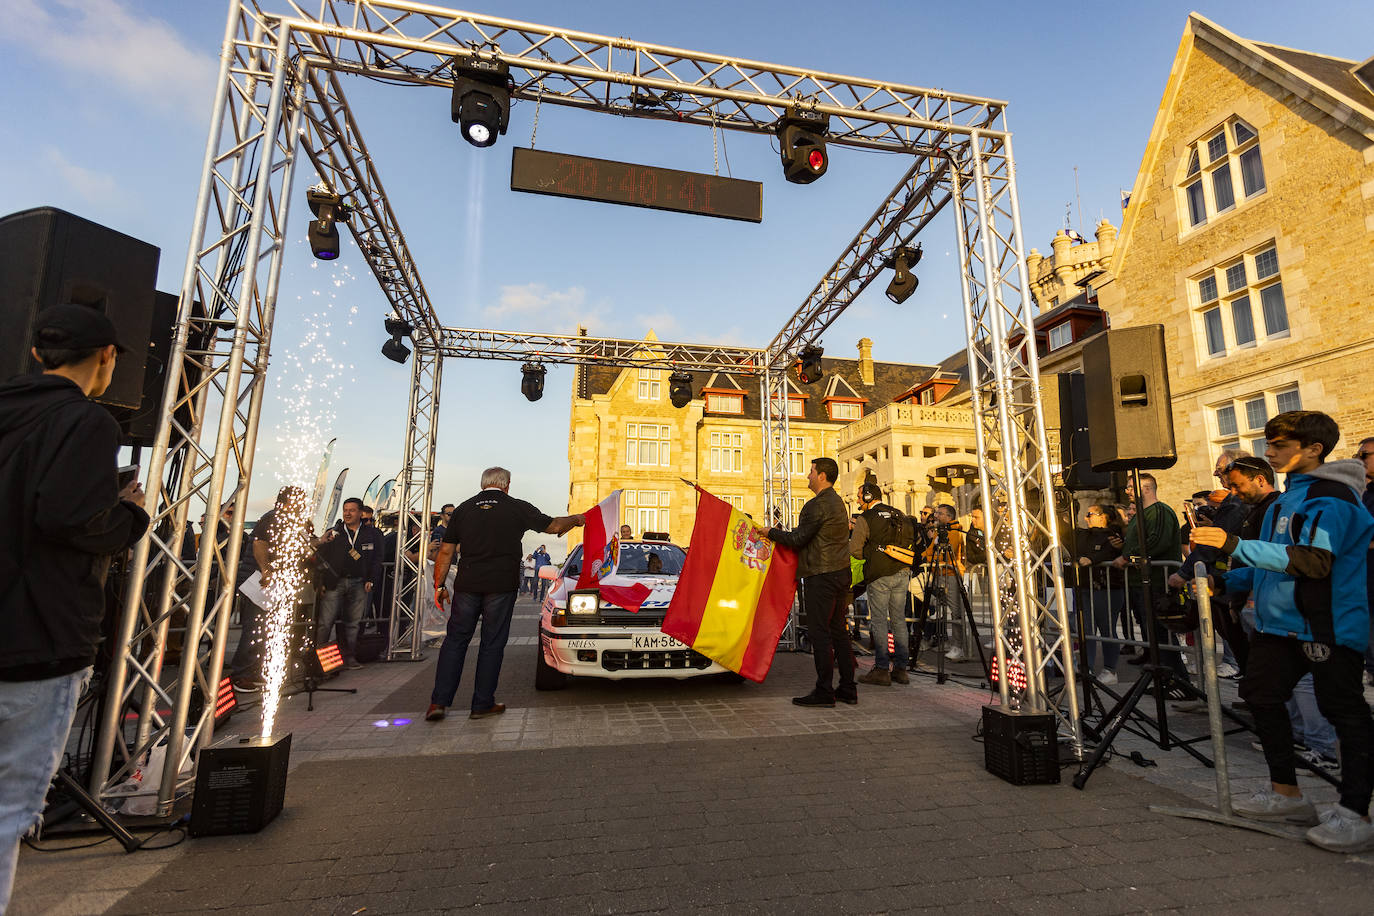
x,y
821,539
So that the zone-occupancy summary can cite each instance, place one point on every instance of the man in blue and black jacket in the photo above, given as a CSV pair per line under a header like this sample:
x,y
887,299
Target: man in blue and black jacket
x,y
1306,577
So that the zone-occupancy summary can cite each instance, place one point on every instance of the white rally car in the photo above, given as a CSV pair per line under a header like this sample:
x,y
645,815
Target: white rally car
x,y
582,634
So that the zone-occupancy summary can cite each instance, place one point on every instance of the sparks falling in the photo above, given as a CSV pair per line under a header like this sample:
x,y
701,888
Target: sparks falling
x,y
311,378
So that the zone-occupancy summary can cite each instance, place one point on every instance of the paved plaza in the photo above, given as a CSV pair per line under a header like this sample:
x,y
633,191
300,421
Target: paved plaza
x,y
703,796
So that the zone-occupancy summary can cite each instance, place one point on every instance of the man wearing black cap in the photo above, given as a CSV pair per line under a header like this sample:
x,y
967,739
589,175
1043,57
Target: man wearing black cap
x,y
885,582
65,517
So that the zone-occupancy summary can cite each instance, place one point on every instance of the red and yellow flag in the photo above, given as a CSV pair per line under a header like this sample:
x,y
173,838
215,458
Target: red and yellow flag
x,y
735,591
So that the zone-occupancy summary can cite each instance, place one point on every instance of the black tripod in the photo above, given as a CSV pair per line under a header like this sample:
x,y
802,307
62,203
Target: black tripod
x,y
942,558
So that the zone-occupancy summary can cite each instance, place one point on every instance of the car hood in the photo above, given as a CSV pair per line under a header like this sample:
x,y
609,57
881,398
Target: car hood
x,y
661,590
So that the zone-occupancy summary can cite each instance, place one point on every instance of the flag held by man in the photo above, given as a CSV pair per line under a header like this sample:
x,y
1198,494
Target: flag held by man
x,y
601,557
735,592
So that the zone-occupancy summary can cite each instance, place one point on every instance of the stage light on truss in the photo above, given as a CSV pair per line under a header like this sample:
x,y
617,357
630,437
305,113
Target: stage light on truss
x,y
904,282
680,389
532,381
801,137
323,233
481,99
809,364
395,349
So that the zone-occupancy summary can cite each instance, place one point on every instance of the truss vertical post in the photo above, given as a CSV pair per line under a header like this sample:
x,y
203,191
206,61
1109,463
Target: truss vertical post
x,y
1017,489
216,364
777,470
416,484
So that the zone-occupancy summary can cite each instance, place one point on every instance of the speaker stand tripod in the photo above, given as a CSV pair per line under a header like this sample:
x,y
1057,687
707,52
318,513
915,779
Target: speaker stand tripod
x,y
943,558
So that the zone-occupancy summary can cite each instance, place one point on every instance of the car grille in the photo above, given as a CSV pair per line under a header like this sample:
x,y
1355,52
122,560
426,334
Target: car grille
x,y
617,660
621,618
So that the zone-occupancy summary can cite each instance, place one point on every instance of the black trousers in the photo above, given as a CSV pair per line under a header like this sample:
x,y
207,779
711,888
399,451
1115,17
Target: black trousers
x,y
1276,664
1169,659
825,599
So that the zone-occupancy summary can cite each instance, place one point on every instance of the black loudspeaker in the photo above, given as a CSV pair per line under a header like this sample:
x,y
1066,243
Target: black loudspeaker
x,y
1074,441
140,424
51,257
1127,386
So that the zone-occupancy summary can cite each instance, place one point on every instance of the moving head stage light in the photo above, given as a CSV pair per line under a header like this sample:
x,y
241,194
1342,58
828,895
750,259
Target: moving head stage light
x,y
394,349
801,135
809,365
481,99
532,381
330,209
680,389
904,282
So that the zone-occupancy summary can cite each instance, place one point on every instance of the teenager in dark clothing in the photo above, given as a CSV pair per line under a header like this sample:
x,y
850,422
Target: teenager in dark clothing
x,y
1100,588
65,518
1306,577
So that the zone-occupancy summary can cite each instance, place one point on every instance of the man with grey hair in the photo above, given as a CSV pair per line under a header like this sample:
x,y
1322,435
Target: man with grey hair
x,y
485,532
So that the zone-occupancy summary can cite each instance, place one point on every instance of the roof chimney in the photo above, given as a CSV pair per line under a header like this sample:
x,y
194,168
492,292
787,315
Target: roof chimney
x,y
866,360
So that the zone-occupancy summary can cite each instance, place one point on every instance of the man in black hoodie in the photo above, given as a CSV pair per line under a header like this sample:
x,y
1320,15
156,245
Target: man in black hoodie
x,y
65,516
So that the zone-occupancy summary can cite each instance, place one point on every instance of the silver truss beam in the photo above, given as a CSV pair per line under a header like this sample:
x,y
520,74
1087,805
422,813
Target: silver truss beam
x,y
418,43
1024,555
216,368
416,483
480,343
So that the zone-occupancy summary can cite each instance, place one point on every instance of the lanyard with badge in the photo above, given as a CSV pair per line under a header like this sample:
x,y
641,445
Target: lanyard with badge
x,y
353,539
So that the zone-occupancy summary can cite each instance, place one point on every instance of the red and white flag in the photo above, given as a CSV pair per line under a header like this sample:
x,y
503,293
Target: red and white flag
x,y
601,556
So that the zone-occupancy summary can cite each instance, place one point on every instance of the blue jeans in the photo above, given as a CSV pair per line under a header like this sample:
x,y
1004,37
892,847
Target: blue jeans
x,y
346,602
494,609
1309,725
1101,610
35,717
887,613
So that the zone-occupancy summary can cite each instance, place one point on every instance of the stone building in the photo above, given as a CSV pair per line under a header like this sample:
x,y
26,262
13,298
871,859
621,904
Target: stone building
x,y
624,433
1250,236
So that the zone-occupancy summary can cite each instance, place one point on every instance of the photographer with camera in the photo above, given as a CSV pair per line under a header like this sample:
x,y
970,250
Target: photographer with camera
x,y
944,557
885,582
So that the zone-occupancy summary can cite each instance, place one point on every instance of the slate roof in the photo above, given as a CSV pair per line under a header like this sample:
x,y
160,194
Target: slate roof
x,y
1329,71
889,381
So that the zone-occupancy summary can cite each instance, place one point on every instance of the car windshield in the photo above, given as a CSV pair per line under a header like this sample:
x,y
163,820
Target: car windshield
x,y
638,558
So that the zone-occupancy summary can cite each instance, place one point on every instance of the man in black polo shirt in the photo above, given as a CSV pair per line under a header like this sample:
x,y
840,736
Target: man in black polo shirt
x,y
485,531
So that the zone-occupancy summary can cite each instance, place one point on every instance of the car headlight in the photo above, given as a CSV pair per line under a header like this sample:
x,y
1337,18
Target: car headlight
x,y
583,603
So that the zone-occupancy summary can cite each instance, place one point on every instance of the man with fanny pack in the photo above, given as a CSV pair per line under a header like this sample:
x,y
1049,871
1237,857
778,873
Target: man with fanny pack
x,y
1306,574
885,582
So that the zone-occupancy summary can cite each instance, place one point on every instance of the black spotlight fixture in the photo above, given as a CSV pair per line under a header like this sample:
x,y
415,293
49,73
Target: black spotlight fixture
x,y
809,364
481,99
904,282
532,381
801,134
330,210
395,349
680,388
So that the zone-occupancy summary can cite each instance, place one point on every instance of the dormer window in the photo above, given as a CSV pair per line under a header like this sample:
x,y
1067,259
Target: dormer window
x,y
717,402
1208,187
1061,335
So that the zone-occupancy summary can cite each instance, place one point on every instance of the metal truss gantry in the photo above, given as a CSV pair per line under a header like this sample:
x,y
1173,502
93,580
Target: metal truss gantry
x,y
279,93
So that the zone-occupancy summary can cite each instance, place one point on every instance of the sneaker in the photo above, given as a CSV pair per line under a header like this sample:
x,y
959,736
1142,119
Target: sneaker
x,y
1298,746
955,654
248,684
1107,677
494,709
899,676
1342,830
878,677
1268,805
1227,671
814,699
1316,760
353,665
435,712
1172,692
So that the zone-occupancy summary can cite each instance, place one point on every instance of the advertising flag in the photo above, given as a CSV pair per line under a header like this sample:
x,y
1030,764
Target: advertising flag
x,y
735,592
334,496
601,556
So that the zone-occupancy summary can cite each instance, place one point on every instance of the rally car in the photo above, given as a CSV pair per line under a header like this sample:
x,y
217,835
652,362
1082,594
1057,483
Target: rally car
x,y
583,633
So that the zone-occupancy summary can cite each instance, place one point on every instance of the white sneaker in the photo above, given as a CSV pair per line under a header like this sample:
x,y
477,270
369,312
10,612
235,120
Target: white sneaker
x,y
955,654
1107,677
1268,805
1227,671
1342,830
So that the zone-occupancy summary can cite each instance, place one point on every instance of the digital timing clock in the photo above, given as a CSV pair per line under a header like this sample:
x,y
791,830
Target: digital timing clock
x,y
564,175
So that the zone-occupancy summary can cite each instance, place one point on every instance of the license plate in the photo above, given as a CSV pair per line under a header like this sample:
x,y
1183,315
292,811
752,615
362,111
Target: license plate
x,y
651,641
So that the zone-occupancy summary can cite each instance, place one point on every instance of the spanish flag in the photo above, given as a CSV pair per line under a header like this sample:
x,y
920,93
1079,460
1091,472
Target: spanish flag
x,y
735,591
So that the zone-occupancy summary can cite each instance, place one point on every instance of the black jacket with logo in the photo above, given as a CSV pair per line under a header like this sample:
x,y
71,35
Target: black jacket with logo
x,y
885,527
59,495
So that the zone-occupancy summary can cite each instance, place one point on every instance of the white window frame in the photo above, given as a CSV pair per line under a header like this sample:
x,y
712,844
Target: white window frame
x,y
650,387
637,435
1227,301
1245,434
1061,335
1199,202
846,410
725,403
727,452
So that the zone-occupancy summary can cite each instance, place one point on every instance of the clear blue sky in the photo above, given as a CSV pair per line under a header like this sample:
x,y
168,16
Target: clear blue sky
x,y
105,106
